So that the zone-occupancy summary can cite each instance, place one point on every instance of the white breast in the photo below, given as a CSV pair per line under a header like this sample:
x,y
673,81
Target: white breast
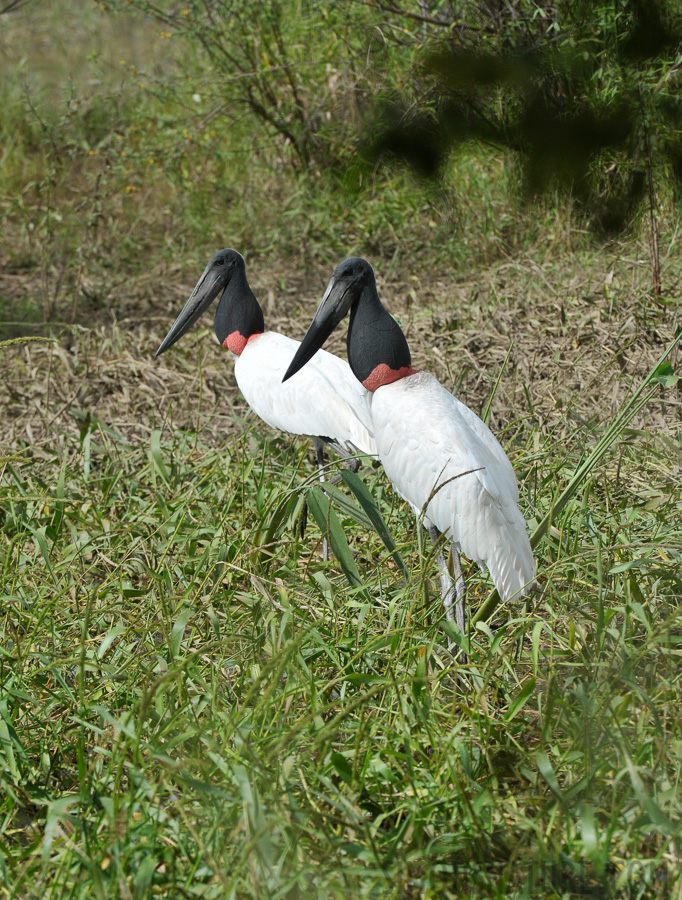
x,y
324,399
425,438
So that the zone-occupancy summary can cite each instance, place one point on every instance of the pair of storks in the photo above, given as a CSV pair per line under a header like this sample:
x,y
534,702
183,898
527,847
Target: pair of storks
x,y
437,453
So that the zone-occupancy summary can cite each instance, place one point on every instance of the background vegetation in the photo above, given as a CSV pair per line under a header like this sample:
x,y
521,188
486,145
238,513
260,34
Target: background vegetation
x,y
193,704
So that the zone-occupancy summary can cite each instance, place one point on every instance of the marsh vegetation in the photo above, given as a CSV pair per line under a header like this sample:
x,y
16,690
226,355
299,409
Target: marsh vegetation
x,y
194,704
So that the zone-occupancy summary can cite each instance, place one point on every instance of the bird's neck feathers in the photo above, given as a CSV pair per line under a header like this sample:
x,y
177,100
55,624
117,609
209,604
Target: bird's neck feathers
x,y
377,349
239,316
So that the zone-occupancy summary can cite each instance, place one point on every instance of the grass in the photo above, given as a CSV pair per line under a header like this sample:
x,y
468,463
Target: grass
x,y
187,712
194,704
105,176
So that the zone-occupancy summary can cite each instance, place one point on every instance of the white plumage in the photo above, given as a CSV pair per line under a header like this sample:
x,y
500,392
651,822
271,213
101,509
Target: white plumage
x,y
324,400
425,437
437,453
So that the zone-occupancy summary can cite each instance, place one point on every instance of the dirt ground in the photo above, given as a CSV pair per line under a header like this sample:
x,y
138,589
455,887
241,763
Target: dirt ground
x,y
582,332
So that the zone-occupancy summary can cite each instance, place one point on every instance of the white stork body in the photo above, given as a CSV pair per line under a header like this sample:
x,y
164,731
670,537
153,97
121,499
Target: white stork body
x,y
325,401
425,437
435,451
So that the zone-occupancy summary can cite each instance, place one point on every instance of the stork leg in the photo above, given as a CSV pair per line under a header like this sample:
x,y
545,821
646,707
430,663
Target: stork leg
x,y
319,449
460,590
352,464
451,590
447,588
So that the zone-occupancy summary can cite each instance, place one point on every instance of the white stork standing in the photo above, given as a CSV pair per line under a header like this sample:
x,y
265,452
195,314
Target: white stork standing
x,y
436,452
327,404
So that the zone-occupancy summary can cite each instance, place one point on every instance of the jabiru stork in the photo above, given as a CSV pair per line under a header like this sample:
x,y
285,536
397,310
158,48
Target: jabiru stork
x,y
327,404
437,453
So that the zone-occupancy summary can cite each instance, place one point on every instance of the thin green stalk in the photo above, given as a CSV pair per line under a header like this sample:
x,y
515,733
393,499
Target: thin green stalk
x,y
634,405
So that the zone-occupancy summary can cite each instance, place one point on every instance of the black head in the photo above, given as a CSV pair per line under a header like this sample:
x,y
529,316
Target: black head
x,y
216,276
354,271
349,279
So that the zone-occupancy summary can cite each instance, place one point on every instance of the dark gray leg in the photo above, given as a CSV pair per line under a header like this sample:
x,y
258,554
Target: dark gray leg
x,y
450,590
447,588
319,449
460,590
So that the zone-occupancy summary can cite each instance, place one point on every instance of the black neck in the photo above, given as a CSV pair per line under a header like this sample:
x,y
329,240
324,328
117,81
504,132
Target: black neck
x,y
374,337
238,310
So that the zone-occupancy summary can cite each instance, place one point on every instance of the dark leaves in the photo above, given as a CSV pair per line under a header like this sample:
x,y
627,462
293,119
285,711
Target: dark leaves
x,y
572,93
651,35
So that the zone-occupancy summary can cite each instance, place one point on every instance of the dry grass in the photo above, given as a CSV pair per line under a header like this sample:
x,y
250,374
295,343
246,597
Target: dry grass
x,y
581,331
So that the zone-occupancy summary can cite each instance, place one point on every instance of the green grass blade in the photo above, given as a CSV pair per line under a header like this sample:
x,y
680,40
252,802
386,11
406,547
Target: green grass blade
x,y
520,700
346,504
486,411
634,405
27,340
321,508
364,497
157,456
265,538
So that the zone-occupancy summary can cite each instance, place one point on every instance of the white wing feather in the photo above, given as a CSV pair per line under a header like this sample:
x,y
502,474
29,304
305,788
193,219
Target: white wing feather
x,y
323,399
426,438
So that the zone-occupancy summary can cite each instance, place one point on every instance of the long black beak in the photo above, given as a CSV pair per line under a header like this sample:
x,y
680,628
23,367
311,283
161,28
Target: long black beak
x,y
337,300
207,289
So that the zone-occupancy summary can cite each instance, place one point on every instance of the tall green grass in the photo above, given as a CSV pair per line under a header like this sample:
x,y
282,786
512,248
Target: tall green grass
x,y
189,709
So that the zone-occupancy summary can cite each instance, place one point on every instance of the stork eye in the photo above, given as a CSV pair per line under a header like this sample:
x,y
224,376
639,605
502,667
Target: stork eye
x,y
219,262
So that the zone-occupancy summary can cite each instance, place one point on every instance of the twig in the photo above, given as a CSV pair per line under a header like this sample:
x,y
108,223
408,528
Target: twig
x,y
428,20
655,258
13,4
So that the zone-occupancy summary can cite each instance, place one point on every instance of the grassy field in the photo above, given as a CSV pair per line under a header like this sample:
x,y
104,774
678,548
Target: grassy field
x,y
193,703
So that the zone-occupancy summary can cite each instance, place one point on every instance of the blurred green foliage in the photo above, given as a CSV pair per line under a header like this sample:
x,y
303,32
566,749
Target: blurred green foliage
x,y
585,95
131,128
